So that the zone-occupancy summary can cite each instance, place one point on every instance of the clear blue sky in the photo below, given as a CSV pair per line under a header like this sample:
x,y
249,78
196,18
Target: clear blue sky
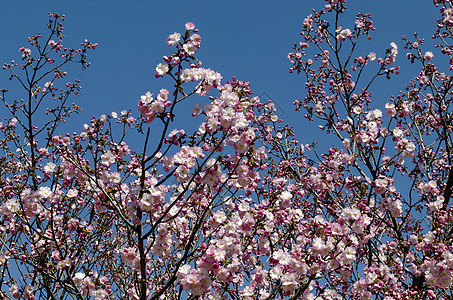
x,y
246,39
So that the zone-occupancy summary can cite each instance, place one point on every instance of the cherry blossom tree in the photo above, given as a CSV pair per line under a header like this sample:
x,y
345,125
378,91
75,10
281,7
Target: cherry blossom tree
x,y
238,208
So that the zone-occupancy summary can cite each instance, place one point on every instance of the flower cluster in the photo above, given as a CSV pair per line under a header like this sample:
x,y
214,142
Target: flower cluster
x,y
150,107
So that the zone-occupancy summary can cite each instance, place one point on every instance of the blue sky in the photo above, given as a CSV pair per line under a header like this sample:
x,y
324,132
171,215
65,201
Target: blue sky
x,y
246,39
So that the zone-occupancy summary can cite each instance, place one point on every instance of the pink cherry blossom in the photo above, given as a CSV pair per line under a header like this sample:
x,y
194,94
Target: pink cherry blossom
x,y
189,26
233,206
